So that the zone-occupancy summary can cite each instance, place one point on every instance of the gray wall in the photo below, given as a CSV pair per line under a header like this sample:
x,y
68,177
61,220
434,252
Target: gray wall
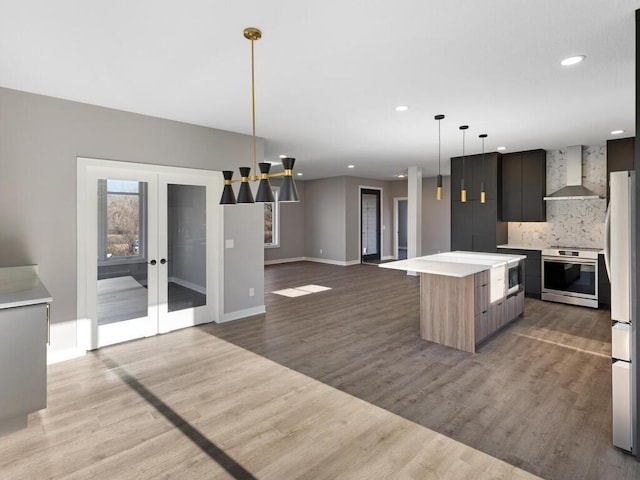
x,y
352,204
324,212
40,138
292,228
436,215
332,216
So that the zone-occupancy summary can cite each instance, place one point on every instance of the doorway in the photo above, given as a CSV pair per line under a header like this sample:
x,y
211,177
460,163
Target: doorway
x,y
149,241
370,225
401,227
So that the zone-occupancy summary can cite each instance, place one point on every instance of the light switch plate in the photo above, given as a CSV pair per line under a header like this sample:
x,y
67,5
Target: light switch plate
x,y
228,243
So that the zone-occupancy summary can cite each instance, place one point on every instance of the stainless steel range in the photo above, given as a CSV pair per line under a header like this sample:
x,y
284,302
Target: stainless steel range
x,y
570,275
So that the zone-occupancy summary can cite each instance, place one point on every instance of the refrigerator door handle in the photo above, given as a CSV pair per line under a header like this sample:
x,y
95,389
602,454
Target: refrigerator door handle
x,y
607,241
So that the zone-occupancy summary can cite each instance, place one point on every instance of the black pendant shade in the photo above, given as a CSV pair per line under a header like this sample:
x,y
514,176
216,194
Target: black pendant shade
x,y
228,197
288,190
265,194
245,195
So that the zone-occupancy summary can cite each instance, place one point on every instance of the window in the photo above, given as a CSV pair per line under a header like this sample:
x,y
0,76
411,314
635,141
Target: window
x,y
272,221
122,222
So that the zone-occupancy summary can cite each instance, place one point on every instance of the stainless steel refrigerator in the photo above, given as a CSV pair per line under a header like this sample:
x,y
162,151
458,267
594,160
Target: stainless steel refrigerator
x,y
620,262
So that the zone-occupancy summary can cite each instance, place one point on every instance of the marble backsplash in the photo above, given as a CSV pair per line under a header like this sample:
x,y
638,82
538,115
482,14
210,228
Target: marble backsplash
x,y
570,223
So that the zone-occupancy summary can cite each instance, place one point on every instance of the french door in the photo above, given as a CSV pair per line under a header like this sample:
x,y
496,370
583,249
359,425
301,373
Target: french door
x,y
152,250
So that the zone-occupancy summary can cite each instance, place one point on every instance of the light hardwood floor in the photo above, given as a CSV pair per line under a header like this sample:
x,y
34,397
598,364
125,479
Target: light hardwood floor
x,y
336,384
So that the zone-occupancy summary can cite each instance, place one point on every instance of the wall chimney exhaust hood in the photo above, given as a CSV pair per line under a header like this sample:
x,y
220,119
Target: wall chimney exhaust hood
x,y
574,189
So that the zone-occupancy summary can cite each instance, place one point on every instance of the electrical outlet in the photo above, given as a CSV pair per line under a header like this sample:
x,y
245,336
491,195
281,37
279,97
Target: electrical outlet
x,y
252,292
320,251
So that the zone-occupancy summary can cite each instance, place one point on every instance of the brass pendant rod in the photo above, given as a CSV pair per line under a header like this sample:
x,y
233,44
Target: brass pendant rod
x,y
253,110
439,148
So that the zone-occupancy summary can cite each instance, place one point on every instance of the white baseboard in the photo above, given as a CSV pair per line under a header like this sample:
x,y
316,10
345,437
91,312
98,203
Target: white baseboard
x,y
333,262
285,260
313,259
248,312
388,257
189,285
57,356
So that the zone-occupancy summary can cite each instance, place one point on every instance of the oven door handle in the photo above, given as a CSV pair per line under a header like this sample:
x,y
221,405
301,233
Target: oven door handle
x,y
572,261
607,241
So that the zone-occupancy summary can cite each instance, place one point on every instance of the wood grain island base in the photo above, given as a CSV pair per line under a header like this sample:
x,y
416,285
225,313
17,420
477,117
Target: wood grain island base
x,y
456,312
464,296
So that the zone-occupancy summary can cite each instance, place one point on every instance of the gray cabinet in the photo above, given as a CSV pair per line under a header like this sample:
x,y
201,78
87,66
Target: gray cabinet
x,y
23,364
477,226
24,330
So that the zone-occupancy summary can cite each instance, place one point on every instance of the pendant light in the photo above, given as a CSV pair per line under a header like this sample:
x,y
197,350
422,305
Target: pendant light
x,y
463,190
288,191
483,191
439,184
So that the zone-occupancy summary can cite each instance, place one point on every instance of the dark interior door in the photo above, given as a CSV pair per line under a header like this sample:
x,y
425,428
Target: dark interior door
x,y
370,225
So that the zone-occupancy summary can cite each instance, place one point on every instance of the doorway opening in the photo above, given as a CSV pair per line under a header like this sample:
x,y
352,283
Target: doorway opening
x,y
401,227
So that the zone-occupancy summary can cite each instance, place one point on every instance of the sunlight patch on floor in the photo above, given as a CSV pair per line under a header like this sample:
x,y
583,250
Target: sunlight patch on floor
x,y
300,291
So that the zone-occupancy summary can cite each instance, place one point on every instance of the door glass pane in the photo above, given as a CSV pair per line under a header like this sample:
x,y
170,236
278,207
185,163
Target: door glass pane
x,y
187,246
122,264
369,224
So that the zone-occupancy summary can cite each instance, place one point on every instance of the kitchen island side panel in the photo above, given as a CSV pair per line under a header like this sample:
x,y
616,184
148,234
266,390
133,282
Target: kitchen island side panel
x,y
447,310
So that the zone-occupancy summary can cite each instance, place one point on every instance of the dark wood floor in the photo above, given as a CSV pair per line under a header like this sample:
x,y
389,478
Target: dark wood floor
x,y
537,395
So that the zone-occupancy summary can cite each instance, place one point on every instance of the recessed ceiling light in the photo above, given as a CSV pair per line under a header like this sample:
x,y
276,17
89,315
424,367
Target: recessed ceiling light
x,y
501,148
402,108
299,174
617,132
572,60
351,166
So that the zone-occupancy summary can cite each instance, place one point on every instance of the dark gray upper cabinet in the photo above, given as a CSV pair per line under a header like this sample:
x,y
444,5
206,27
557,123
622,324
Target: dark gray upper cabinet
x,y
619,156
477,226
524,185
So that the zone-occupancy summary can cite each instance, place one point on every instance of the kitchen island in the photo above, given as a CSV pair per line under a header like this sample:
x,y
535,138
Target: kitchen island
x,y
465,297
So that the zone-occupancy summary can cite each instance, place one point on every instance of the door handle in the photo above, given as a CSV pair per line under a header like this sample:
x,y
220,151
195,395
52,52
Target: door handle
x,y
163,261
152,262
607,242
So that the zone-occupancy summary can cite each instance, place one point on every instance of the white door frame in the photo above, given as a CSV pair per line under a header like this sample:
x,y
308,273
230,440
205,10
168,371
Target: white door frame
x,y
360,188
396,226
87,169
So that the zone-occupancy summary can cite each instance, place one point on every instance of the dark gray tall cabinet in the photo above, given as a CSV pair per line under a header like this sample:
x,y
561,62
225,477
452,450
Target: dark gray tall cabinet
x,y
476,226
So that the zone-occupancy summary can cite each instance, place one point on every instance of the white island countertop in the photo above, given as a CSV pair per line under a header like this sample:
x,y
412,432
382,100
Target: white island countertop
x,y
20,286
453,264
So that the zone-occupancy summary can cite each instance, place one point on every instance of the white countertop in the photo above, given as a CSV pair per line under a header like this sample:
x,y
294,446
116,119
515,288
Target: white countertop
x,y
21,286
453,264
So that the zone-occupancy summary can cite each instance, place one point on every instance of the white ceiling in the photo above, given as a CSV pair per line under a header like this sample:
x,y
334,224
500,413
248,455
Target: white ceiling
x,y
329,73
